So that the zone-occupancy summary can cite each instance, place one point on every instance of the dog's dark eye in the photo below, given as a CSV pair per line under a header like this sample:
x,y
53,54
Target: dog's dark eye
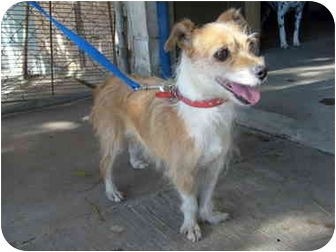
x,y
222,54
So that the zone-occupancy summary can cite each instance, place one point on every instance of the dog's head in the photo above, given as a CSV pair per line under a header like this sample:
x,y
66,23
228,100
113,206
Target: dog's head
x,y
222,55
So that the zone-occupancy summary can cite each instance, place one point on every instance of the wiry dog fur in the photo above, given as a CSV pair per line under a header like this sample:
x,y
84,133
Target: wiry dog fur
x,y
192,143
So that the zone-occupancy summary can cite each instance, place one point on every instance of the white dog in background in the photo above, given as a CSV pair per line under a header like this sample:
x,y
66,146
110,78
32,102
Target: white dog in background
x,y
282,8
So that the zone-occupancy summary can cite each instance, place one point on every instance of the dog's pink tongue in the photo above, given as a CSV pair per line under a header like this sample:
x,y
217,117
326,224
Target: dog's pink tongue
x,y
252,95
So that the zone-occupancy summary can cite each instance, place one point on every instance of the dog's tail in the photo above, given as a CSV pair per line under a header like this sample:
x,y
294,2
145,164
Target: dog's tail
x,y
85,83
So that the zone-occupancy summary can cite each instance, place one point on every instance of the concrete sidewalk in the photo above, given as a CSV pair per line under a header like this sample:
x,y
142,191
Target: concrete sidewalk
x,y
280,194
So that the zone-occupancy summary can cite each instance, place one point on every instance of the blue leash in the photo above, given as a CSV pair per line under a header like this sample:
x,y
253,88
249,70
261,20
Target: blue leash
x,y
88,48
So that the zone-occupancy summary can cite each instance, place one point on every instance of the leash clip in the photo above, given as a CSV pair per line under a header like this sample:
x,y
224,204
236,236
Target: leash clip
x,y
168,91
161,88
169,88
150,87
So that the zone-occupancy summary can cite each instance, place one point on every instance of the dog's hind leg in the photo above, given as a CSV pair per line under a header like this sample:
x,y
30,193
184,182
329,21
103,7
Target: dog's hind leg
x,y
137,155
298,17
208,180
282,10
111,146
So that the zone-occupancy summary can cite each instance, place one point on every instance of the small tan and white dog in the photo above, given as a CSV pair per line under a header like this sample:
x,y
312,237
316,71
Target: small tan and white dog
x,y
190,136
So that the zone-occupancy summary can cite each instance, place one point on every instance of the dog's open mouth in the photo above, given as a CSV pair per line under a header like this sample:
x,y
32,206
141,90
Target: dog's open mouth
x,y
245,94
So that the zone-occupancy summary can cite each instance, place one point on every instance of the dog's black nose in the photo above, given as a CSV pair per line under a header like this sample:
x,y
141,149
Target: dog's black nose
x,y
261,72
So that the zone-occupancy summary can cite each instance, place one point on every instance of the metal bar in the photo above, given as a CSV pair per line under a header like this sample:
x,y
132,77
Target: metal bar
x,y
51,53
112,27
25,47
79,29
121,29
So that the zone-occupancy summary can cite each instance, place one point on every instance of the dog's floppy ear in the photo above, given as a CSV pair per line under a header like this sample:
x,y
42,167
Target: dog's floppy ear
x,y
180,35
233,15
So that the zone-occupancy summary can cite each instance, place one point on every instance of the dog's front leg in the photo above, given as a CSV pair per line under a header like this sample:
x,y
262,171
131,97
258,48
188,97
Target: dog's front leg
x,y
281,23
298,17
183,173
189,208
208,182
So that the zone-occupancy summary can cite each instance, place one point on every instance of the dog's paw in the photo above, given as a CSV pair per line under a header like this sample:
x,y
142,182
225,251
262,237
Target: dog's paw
x,y
115,196
284,45
296,43
215,217
193,232
139,164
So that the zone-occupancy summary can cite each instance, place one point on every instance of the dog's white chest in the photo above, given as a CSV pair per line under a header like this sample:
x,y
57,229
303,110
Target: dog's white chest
x,y
210,128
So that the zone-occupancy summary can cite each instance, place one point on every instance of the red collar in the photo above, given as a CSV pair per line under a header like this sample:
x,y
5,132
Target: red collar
x,y
198,104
